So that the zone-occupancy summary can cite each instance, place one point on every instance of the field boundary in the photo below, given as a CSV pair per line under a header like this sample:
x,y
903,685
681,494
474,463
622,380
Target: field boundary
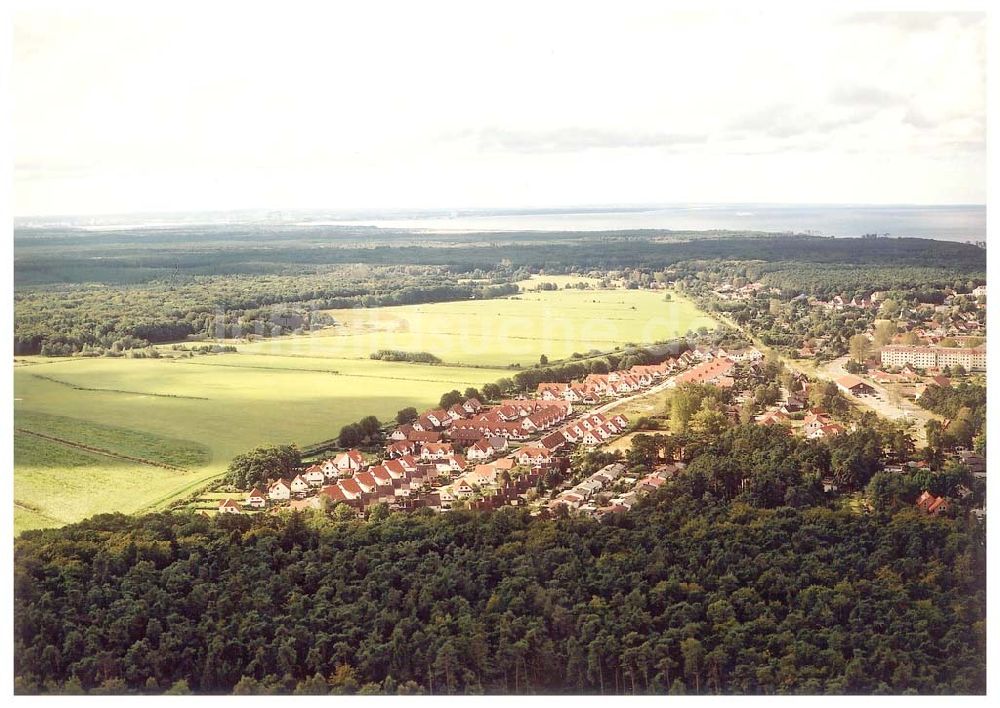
x,y
35,510
116,390
337,373
101,451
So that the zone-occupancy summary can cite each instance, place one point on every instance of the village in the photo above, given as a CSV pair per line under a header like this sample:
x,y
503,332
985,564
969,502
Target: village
x,y
484,457
519,451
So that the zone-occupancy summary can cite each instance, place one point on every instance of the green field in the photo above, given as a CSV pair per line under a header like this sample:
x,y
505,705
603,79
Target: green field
x,y
502,332
160,428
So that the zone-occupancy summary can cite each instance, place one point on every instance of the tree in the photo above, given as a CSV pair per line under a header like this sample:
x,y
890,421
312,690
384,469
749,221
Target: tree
x,y
378,513
315,685
344,512
406,415
694,660
472,392
682,406
350,436
543,360
178,688
492,392
449,399
859,347
370,426
884,332
256,467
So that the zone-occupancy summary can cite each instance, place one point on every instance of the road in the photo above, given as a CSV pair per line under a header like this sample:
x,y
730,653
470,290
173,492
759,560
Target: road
x,y
901,409
662,386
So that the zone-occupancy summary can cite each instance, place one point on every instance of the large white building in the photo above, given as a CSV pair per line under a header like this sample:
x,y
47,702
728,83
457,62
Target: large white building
x,y
934,357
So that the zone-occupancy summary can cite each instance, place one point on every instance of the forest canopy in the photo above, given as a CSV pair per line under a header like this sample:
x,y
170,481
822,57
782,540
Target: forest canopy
x,y
684,594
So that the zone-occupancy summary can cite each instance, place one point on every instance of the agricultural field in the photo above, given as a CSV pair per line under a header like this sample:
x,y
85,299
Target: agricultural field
x,y
189,414
561,281
119,434
502,332
59,478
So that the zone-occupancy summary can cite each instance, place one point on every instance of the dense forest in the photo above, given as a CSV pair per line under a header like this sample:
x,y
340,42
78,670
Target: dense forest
x,y
739,576
86,318
98,292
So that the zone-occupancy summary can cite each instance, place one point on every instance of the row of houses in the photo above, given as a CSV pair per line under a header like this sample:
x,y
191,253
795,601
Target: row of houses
x,y
584,497
515,419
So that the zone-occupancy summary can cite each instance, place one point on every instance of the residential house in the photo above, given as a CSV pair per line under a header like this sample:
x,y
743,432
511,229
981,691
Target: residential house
x,y
551,391
229,506
314,475
333,493
826,431
462,489
436,451
350,489
482,450
299,485
256,499
425,436
280,490
401,433
350,461
931,504
401,447
553,441
531,455
366,481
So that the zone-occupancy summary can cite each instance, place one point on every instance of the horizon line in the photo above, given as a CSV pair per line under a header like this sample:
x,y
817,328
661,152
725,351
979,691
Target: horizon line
x,y
451,209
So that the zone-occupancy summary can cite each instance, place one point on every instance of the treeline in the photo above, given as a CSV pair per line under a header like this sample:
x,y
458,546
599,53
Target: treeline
x,y
54,257
528,380
948,401
964,408
685,594
397,355
860,280
103,319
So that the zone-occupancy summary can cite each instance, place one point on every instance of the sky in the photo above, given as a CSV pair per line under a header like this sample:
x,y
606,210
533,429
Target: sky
x,y
181,106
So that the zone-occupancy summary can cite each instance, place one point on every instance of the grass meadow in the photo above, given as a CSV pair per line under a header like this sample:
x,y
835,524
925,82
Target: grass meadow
x,y
502,332
102,435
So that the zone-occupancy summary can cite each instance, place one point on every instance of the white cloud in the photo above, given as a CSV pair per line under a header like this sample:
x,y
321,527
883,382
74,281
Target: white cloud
x,y
121,107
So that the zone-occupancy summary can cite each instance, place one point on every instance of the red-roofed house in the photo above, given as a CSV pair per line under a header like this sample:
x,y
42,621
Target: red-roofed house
x,y
399,448
333,492
350,488
280,490
365,481
229,506
932,504
553,441
436,451
350,461
482,450
532,455
314,475
299,485
257,499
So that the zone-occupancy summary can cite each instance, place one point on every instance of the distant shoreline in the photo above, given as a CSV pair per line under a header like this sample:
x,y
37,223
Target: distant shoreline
x,y
955,223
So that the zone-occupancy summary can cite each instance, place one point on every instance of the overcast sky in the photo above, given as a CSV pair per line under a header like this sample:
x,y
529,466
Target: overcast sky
x,y
122,107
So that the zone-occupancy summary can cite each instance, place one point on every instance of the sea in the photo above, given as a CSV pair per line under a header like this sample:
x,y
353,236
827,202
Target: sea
x,y
961,223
